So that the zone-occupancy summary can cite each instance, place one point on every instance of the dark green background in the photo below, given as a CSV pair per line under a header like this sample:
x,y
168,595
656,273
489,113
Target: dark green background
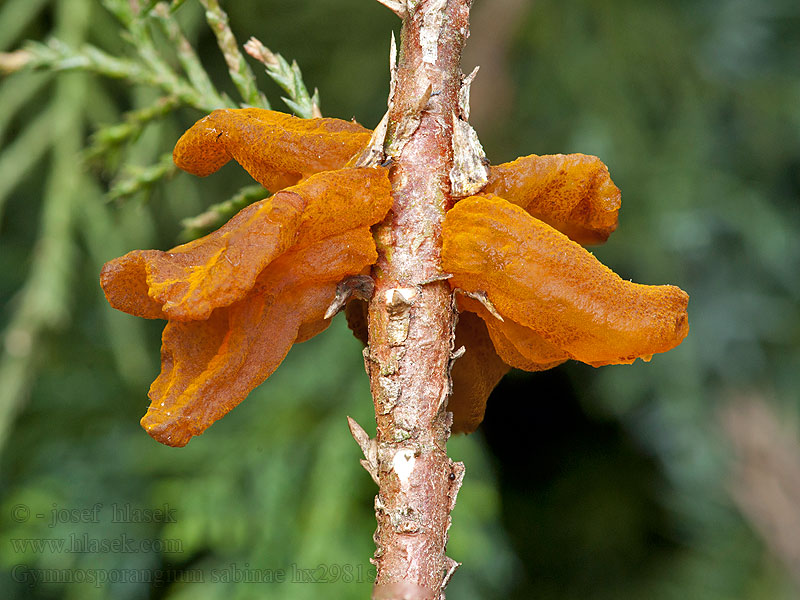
x,y
582,483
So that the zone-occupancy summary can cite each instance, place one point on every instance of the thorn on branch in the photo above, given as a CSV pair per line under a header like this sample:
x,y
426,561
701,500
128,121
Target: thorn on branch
x,y
483,299
392,68
373,154
451,567
463,94
358,286
369,446
435,278
470,173
398,7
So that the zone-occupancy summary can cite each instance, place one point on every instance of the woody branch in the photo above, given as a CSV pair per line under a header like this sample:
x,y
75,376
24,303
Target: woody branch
x,y
411,314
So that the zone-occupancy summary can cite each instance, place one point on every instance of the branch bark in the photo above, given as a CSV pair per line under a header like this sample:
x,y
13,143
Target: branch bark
x,y
411,314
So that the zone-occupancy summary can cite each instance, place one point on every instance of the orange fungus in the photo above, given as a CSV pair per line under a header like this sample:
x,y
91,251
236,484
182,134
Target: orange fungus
x,y
275,148
209,366
572,193
540,279
237,299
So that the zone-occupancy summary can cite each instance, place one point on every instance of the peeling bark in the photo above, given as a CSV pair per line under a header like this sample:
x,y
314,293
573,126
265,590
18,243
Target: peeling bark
x,y
411,314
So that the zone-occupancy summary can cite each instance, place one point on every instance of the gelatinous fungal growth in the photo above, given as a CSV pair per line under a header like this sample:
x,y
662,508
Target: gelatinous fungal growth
x,y
209,366
275,148
538,278
237,299
475,374
191,280
556,300
570,192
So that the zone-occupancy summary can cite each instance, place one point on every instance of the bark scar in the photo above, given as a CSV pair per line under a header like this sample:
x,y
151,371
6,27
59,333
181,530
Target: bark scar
x,y
398,307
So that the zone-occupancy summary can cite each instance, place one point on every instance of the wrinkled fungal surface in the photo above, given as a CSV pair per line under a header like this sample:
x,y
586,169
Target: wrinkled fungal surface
x,y
275,148
237,299
209,366
570,192
191,280
538,278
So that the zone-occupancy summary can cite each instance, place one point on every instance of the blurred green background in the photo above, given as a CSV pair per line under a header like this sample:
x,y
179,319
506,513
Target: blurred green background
x,y
674,479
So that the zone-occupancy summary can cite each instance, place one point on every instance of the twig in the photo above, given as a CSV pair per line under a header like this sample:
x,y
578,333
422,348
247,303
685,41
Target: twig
x,y
288,77
11,62
186,55
136,179
766,476
106,139
42,305
240,72
58,56
411,315
217,214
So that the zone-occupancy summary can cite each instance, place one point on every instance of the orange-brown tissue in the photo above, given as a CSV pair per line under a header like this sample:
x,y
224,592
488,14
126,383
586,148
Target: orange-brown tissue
x,y
210,366
277,149
239,298
556,300
572,193
191,280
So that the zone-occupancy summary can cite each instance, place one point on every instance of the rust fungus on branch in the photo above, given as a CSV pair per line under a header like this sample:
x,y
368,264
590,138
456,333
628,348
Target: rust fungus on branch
x,y
239,298
403,228
272,271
